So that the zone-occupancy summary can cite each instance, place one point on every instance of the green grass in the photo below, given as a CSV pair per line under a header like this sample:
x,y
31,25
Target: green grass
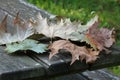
x,y
107,10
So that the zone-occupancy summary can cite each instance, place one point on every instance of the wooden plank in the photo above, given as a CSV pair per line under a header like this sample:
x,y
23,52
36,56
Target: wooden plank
x,y
26,10
64,77
54,66
64,59
24,67
107,60
70,77
20,66
14,67
101,74
60,64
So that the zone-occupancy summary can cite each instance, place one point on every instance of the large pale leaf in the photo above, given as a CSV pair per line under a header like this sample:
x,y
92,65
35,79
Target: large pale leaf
x,y
5,37
27,44
62,28
22,30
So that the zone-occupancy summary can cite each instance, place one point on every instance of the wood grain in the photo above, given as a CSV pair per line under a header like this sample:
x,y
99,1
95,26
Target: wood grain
x,y
30,65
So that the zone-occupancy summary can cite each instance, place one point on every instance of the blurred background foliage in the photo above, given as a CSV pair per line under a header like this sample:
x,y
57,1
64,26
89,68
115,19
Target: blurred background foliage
x,y
107,10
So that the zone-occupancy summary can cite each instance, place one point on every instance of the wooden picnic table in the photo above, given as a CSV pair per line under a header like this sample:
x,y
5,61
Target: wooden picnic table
x,y
31,66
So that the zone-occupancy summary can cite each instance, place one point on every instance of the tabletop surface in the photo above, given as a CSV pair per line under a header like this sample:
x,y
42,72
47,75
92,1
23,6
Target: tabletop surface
x,y
21,66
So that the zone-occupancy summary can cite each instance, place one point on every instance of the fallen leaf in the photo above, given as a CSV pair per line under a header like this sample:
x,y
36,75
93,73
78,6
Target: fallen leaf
x,y
78,53
4,35
80,31
100,38
22,30
109,37
27,44
62,28
3,25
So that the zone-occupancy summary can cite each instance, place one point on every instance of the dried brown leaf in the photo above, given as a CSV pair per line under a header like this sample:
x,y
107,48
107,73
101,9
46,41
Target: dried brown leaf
x,y
78,53
100,38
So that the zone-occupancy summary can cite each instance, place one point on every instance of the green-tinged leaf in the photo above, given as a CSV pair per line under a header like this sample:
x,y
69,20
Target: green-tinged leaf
x,y
27,44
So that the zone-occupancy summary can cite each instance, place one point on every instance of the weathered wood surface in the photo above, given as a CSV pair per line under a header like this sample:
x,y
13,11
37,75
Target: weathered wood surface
x,y
102,74
14,67
23,66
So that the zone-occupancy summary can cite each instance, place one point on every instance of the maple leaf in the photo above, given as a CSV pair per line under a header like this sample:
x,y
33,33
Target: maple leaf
x,y
60,28
78,53
79,33
27,44
63,28
4,35
100,38
91,34
22,30
3,25
109,36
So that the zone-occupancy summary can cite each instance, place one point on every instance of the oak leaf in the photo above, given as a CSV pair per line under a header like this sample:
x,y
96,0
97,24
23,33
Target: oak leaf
x,y
78,53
